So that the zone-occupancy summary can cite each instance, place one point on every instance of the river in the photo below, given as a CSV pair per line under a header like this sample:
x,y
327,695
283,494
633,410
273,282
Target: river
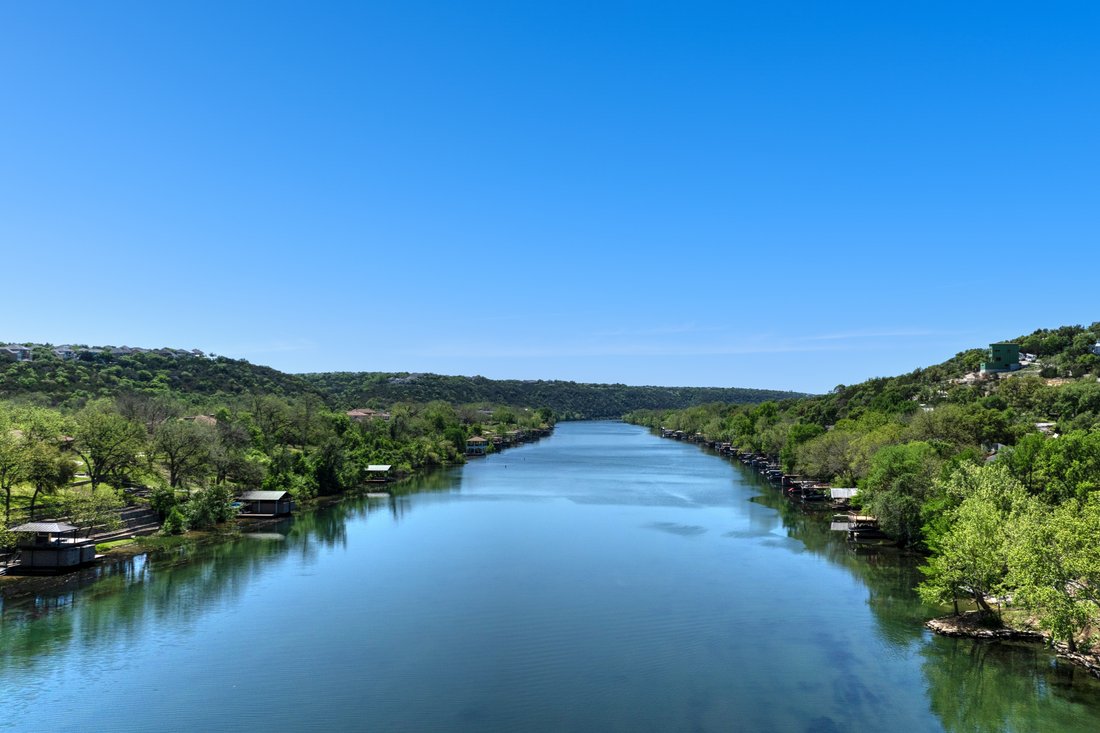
x,y
602,579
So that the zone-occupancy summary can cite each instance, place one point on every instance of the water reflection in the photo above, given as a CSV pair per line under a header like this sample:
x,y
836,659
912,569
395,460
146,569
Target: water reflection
x,y
990,687
972,686
968,687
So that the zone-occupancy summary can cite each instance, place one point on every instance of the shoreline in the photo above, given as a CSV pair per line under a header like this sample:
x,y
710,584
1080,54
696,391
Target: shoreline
x,y
972,625
969,624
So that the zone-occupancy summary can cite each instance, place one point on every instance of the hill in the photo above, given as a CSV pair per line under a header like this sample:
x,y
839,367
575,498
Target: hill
x,y
898,438
566,399
70,376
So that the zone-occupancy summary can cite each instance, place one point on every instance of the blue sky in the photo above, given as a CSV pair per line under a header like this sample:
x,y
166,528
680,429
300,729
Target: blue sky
x,y
783,195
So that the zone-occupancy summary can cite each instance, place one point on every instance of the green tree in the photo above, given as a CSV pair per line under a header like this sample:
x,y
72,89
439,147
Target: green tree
x,y
47,470
208,506
184,449
13,463
897,487
106,441
972,558
1069,467
1055,568
88,509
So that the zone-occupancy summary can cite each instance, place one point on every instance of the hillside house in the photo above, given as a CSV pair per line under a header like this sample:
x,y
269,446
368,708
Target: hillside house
x,y
1001,358
363,414
16,352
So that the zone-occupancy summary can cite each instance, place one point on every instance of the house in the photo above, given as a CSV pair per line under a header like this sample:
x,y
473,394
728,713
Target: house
x,y
52,547
1001,358
363,414
202,419
476,446
66,352
1096,349
266,504
16,352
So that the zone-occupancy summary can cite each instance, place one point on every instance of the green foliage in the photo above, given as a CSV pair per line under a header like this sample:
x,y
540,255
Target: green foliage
x,y
564,399
47,470
106,441
898,486
87,508
175,522
208,506
49,380
185,449
163,499
1055,568
972,555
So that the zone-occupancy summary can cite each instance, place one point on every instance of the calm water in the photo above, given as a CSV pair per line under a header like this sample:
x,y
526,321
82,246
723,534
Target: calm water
x,y
603,579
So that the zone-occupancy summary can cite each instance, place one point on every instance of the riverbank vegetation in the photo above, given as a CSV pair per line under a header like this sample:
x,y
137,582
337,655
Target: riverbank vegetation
x,y
996,477
82,464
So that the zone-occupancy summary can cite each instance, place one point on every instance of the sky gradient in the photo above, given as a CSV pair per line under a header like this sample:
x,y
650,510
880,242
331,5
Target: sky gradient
x,y
775,195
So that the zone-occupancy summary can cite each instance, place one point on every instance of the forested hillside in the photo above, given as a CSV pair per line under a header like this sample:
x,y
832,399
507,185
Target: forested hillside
x,y
997,476
566,399
48,379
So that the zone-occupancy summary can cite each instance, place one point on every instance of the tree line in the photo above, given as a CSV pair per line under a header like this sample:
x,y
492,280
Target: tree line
x,y
194,464
568,400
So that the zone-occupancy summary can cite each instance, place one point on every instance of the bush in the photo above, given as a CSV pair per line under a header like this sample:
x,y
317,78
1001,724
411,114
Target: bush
x,y
162,500
175,522
209,506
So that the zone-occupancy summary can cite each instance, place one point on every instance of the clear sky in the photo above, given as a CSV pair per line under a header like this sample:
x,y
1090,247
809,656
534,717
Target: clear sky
x,y
774,194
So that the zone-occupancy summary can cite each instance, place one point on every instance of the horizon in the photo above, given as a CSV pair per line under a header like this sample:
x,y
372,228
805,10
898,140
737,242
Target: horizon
x,y
781,196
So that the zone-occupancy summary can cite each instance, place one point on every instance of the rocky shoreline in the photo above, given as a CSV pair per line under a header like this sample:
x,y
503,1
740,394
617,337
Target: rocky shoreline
x,y
973,625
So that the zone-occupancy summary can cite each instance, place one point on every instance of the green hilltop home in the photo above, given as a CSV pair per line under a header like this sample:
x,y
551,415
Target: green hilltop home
x,y
1001,358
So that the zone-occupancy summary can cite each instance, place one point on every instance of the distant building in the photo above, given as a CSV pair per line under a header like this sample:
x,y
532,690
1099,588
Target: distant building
x,y
362,414
1001,358
476,446
1096,349
16,352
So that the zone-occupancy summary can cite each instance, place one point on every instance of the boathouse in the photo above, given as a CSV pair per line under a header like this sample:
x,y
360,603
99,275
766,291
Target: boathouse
x,y
266,504
476,445
378,473
52,547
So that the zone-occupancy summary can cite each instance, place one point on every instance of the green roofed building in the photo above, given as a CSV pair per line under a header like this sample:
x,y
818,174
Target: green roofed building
x,y
1002,358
